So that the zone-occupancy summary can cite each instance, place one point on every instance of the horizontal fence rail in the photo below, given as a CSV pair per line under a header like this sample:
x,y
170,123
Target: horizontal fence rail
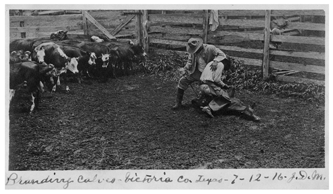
x,y
240,34
44,25
241,27
274,12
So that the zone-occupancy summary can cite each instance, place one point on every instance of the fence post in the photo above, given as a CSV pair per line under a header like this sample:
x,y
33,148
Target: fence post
x,y
138,27
145,37
141,29
85,23
205,25
267,38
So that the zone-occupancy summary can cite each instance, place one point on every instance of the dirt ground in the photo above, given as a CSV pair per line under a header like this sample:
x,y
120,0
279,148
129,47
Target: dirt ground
x,y
127,123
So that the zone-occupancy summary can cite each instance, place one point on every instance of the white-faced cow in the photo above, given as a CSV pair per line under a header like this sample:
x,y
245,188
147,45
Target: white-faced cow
x,y
86,60
51,53
102,58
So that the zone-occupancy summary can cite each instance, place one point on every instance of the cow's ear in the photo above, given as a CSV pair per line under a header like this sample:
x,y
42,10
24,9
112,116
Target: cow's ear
x,y
116,50
65,32
92,54
13,53
53,36
77,58
41,48
27,52
131,42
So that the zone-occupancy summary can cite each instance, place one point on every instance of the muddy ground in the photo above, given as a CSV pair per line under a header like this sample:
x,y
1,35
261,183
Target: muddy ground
x,y
127,123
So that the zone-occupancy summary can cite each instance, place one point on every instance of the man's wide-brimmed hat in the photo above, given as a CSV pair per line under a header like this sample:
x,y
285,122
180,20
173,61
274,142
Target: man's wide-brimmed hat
x,y
193,45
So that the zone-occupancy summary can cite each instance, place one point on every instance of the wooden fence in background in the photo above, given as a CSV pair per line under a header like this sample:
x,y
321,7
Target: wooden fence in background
x,y
241,34
44,25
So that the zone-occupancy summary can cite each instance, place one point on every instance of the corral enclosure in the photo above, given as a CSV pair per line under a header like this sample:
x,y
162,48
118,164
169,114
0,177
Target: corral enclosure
x,y
240,34
127,123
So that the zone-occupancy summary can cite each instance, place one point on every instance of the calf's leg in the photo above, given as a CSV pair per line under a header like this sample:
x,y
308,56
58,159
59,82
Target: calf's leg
x,y
34,101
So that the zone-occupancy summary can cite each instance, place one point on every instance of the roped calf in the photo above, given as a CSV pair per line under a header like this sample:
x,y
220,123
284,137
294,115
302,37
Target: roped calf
x,y
51,53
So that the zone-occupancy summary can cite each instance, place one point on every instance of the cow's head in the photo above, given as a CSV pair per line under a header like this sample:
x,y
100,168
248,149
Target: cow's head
x,y
26,56
92,59
14,57
53,36
52,72
46,69
19,52
139,50
114,54
40,53
59,35
62,35
105,59
71,64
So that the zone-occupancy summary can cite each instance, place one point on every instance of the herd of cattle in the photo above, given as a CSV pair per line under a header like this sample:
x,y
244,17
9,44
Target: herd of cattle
x,y
41,62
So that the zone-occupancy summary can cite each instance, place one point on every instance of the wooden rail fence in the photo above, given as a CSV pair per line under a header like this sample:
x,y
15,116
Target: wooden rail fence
x,y
242,34
44,25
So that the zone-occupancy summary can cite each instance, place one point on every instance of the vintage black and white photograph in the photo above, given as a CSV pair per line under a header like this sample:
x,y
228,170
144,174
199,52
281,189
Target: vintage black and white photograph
x,y
167,88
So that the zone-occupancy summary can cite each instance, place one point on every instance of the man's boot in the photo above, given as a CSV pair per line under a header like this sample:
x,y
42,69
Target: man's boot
x,y
248,112
179,99
207,110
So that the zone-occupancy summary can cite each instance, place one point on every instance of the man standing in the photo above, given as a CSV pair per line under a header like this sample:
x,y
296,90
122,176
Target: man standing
x,y
213,86
199,56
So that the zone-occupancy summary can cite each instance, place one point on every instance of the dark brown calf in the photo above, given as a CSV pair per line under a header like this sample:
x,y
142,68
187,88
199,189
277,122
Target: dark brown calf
x,y
27,76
